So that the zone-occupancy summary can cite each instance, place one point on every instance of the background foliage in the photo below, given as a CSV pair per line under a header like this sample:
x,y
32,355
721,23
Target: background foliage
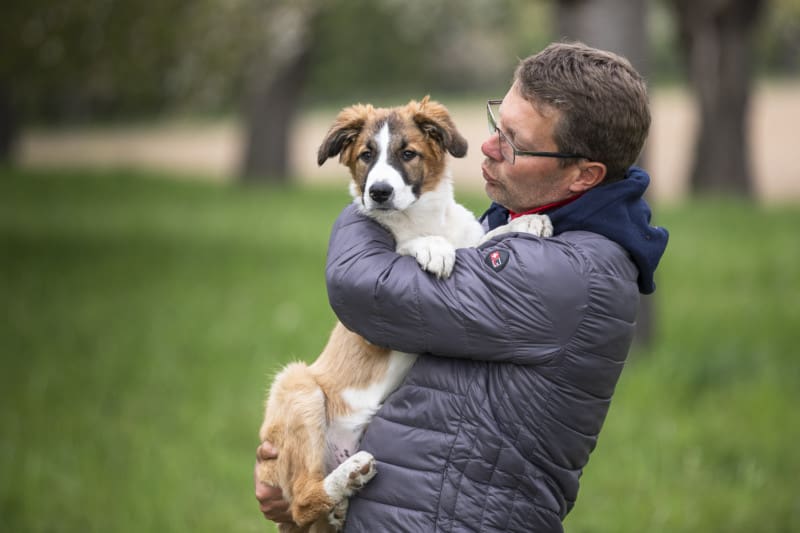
x,y
98,59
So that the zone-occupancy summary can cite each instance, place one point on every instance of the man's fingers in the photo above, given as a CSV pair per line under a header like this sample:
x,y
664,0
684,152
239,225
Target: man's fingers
x,y
270,499
271,503
266,451
266,492
275,509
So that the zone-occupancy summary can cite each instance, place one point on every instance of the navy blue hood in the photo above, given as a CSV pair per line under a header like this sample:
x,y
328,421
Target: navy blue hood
x,y
616,211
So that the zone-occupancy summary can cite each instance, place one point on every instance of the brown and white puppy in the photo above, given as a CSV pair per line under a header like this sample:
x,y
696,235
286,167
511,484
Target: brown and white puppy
x,y
315,415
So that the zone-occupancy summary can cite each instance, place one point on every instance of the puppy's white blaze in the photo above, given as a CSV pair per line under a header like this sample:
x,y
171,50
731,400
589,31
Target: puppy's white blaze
x,y
403,195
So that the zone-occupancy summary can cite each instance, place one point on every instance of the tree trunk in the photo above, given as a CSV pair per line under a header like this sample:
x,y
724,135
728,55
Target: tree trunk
x,y
273,90
9,125
716,38
618,26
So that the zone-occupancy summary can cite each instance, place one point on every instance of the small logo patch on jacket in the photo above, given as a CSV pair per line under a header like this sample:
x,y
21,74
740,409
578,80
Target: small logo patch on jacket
x,y
496,259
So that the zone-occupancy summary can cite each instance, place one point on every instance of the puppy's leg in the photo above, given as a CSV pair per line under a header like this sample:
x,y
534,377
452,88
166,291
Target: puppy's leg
x,y
295,424
314,498
344,481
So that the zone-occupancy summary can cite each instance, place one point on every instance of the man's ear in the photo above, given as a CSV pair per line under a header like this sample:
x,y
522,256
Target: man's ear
x,y
591,173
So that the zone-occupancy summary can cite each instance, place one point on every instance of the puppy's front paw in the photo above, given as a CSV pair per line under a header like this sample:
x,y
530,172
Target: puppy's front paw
x,y
538,225
433,253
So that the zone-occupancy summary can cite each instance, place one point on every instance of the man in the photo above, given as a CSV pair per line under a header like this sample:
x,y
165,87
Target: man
x,y
491,429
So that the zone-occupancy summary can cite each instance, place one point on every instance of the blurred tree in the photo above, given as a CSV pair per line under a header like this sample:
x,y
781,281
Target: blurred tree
x,y
276,67
779,38
618,26
9,125
449,45
76,59
717,41
357,49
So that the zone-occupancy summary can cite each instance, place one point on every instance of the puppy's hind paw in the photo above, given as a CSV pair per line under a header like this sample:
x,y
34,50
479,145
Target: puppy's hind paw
x,y
351,475
359,469
362,470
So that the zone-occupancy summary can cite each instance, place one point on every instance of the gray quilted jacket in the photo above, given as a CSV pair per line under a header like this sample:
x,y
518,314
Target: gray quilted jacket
x,y
492,432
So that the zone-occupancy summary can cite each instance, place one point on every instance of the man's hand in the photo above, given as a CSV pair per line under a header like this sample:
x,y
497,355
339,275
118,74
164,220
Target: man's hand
x,y
270,499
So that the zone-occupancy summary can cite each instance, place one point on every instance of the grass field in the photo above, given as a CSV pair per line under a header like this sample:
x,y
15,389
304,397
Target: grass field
x,y
142,319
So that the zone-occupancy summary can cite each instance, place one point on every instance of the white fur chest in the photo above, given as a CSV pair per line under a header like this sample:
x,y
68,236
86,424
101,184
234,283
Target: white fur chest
x,y
344,433
365,401
435,213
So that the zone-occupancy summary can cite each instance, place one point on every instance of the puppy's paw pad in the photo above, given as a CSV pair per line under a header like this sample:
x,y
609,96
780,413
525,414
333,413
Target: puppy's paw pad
x,y
350,476
363,470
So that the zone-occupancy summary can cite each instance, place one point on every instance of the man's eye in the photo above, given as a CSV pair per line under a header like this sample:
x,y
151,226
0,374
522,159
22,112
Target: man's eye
x,y
408,155
365,156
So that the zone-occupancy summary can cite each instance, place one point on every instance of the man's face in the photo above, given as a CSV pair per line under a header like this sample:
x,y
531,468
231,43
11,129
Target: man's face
x,y
531,181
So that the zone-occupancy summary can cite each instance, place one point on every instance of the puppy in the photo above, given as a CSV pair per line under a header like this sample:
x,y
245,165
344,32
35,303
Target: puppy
x,y
315,414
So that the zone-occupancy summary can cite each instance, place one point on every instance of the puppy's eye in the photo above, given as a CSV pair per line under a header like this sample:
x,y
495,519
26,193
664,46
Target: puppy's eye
x,y
408,155
365,156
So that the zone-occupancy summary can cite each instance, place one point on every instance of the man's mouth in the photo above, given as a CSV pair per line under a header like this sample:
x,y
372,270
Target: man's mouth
x,y
486,176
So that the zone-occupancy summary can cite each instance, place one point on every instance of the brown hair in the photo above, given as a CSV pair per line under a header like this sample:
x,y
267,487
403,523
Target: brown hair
x,y
602,99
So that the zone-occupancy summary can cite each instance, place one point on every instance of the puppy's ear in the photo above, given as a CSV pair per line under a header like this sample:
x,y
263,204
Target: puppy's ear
x,y
343,132
434,120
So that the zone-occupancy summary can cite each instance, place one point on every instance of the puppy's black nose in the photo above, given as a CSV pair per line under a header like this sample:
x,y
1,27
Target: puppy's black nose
x,y
380,192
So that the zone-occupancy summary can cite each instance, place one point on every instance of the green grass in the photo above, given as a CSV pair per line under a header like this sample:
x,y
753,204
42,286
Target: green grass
x,y
142,319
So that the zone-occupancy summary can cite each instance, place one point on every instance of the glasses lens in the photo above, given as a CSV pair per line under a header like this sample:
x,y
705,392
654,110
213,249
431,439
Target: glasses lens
x,y
490,119
505,147
506,150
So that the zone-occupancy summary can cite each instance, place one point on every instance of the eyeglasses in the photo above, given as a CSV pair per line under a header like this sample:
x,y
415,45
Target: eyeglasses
x,y
507,149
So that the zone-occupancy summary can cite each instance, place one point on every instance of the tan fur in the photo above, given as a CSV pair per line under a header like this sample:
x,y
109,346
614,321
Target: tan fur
x,y
304,399
296,418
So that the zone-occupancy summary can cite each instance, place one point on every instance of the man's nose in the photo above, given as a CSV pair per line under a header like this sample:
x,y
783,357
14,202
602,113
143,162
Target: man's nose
x,y
491,148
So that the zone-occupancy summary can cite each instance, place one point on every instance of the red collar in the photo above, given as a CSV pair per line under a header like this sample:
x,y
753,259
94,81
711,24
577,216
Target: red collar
x,y
547,207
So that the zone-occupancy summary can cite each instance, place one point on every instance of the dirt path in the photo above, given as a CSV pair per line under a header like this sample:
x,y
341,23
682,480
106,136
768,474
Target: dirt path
x,y
211,150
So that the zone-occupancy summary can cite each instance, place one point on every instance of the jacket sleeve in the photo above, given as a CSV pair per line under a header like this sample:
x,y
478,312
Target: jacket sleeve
x,y
523,313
